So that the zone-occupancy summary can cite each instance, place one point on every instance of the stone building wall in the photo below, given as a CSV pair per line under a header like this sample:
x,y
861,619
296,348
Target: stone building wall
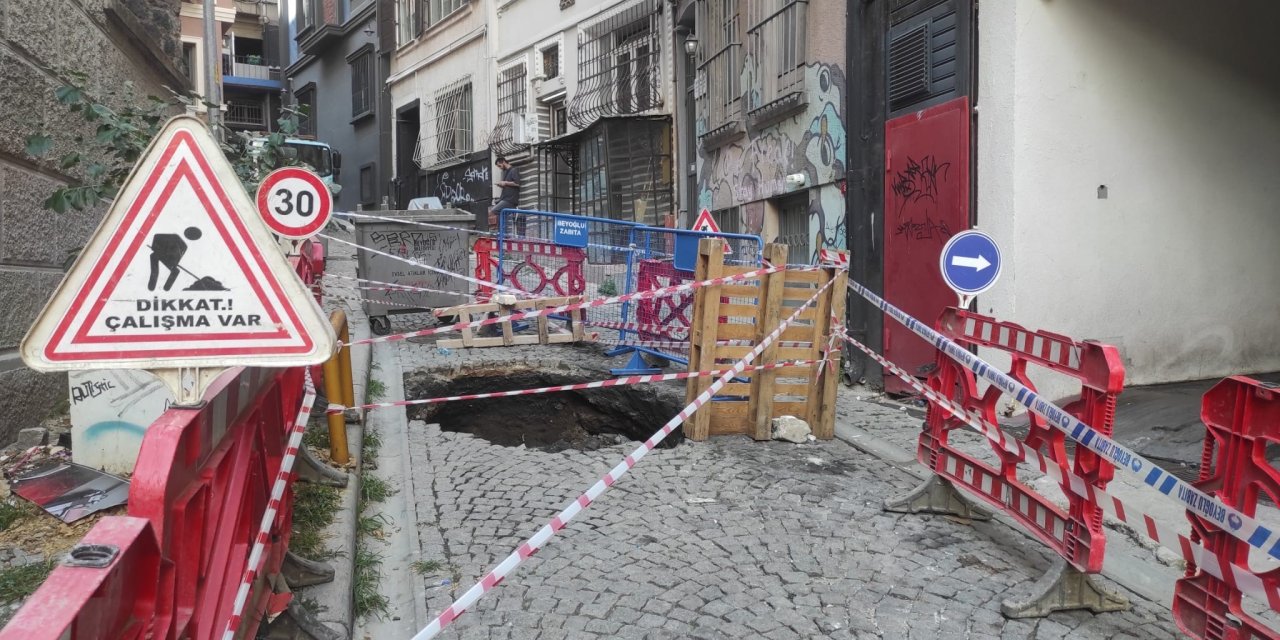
x,y
122,45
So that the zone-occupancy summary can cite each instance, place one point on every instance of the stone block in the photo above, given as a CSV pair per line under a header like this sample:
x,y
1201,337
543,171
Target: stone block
x,y
791,429
24,294
26,398
29,233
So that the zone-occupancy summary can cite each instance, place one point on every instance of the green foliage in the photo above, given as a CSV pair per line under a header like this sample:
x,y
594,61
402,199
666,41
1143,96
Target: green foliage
x,y
426,567
374,489
368,600
314,507
101,162
11,513
608,287
17,583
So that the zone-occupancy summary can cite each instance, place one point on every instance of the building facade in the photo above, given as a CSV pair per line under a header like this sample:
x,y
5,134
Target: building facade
x,y
128,49
1118,153
250,57
765,91
334,69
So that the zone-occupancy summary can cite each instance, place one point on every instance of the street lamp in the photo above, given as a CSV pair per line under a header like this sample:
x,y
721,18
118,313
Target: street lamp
x,y
691,46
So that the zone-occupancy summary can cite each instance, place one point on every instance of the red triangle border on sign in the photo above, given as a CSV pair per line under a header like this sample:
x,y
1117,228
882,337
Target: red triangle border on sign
x,y
96,273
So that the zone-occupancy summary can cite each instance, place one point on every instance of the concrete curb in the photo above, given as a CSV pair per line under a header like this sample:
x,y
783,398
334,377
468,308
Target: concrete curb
x,y
1149,580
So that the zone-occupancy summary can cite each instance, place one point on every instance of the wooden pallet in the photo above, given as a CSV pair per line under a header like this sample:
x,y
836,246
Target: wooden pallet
x,y
472,312
749,311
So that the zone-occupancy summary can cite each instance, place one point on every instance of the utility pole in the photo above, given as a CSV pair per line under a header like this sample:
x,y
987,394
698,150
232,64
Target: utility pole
x,y
212,90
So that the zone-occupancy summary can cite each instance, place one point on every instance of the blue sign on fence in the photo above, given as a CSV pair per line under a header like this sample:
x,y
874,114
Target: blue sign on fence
x,y
570,233
970,263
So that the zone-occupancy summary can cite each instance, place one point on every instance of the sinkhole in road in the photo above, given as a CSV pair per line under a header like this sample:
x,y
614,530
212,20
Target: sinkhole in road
x,y
584,420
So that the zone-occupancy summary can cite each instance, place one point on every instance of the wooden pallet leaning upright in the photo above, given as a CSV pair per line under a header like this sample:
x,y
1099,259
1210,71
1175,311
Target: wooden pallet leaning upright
x,y
760,399
702,334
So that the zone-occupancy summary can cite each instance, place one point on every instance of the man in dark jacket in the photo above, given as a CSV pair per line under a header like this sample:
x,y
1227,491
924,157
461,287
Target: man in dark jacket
x,y
509,198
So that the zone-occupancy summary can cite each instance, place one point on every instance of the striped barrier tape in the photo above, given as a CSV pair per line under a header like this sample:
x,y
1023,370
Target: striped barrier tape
x,y
598,302
635,327
386,286
1227,518
273,505
416,223
446,272
532,545
578,386
676,344
1232,574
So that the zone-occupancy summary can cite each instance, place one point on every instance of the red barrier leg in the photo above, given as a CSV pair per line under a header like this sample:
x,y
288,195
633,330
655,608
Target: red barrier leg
x,y
1241,417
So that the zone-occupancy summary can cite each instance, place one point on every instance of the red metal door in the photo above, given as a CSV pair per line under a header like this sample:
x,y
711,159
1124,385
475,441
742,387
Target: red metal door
x,y
926,201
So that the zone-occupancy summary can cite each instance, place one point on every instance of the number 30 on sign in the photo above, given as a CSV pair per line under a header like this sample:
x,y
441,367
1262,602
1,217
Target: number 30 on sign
x,y
294,202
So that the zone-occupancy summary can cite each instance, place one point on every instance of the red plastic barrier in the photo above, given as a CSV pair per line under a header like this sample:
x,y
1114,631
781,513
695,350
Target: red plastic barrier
x,y
530,274
199,489
198,492
667,311
1241,417
1077,534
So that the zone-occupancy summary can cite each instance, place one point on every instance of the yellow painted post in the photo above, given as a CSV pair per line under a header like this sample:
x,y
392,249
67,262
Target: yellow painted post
x,y
344,355
337,392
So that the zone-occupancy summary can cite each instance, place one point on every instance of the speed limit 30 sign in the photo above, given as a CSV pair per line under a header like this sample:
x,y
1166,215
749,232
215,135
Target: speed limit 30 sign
x,y
294,202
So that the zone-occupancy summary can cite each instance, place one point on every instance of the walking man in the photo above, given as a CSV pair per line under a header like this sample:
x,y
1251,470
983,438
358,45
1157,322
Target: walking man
x,y
509,198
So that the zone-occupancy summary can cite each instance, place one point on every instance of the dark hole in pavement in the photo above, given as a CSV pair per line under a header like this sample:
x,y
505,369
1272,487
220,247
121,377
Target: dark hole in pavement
x,y
584,420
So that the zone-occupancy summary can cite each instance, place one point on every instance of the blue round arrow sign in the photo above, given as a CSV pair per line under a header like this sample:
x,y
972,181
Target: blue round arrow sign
x,y
970,262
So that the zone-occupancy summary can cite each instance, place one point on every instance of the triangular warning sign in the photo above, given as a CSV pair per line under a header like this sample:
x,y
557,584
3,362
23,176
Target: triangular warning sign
x,y
181,272
706,223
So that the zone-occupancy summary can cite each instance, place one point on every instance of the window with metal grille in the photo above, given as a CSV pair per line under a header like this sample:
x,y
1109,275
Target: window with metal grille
x,y
440,9
362,83
793,227
619,64
450,135
510,136
720,62
551,61
776,42
729,220
306,105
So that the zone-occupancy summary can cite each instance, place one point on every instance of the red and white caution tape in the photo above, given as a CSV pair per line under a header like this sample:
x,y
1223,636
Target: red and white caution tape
x,y
477,281
283,478
579,386
637,327
598,302
416,223
532,545
676,344
1230,573
328,293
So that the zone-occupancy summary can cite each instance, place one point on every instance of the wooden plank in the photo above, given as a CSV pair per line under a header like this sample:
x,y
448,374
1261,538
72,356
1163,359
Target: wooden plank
x,y
801,390
736,270
726,426
542,323
769,316
508,332
703,326
822,324
804,276
736,332
796,409
476,343
740,290
460,309
579,317
801,295
825,428
736,389
468,334
798,353
733,409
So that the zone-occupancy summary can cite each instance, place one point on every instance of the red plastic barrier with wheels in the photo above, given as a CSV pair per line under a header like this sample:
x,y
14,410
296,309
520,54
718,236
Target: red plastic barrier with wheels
x,y
1241,417
1075,534
530,274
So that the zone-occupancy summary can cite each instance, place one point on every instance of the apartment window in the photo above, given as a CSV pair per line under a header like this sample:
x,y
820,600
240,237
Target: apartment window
x,y
407,25
559,120
618,64
728,220
190,60
440,9
368,188
306,105
510,135
362,82
551,61
776,40
720,62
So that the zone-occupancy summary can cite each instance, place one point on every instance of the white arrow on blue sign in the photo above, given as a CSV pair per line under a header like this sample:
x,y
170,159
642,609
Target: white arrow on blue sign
x,y
970,263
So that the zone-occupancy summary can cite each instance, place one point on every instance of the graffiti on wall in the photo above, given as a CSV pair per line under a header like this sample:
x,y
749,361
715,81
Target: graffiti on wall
x,y
813,142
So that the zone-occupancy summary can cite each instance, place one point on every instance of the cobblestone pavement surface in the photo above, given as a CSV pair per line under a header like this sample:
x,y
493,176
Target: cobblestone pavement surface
x,y
723,539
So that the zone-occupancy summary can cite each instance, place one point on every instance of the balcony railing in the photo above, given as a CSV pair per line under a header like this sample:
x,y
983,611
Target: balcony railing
x,y
246,114
248,67
722,98
777,43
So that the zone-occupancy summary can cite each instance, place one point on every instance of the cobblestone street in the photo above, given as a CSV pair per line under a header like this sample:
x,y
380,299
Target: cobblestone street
x,y
724,539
